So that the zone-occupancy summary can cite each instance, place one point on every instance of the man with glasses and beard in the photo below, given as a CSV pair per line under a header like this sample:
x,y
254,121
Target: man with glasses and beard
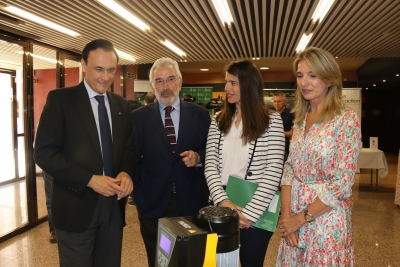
x,y
170,138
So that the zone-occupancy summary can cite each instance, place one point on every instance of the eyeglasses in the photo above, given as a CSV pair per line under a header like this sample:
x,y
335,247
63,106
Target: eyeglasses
x,y
169,81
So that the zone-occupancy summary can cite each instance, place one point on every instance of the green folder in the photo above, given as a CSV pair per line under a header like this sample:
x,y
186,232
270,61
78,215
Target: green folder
x,y
240,192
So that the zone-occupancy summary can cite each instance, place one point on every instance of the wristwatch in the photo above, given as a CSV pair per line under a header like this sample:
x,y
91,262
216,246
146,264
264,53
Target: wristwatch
x,y
308,216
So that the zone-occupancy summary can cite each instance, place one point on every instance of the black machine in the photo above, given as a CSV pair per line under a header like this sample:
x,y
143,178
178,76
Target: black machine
x,y
212,242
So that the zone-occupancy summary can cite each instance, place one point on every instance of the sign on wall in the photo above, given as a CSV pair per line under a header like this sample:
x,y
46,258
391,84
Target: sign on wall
x,y
352,99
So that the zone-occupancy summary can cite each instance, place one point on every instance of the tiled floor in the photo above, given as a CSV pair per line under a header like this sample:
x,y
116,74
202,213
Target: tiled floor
x,y
376,227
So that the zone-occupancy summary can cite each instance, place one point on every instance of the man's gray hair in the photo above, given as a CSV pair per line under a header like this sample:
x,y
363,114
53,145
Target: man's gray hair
x,y
281,94
164,62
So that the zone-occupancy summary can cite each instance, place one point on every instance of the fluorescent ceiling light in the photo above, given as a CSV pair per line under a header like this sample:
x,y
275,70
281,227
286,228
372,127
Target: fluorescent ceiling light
x,y
40,57
173,48
303,42
119,10
36,19
223,11
321,10
203,69
125,55
10,63
264,68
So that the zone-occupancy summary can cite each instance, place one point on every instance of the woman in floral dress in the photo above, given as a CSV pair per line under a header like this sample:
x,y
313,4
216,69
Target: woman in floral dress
x,y
316,219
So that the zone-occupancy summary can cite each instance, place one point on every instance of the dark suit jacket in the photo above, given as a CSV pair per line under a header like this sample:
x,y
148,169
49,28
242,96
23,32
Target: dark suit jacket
x,y
157,167
287,119
67,146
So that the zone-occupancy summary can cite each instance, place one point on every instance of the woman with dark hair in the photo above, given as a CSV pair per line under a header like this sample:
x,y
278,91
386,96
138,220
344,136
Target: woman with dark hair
x,y
316,220
247,141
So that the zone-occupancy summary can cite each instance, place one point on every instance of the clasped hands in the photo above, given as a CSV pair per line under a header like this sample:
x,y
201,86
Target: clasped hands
x,y
243,221
121,185
289,228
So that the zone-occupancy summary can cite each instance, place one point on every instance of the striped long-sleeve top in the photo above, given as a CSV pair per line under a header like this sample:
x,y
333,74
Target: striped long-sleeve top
x,y
265,167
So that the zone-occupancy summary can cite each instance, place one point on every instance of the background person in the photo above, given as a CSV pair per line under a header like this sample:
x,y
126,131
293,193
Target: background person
x,y
134,104
84,141
287,116
244,125
170,140
316,220
149,98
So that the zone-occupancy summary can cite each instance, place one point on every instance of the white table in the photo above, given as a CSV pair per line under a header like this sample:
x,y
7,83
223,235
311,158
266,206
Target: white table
x,y
373,159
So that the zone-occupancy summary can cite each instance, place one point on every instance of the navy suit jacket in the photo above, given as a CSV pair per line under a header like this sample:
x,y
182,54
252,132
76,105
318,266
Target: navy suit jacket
x,y
67,146
157,168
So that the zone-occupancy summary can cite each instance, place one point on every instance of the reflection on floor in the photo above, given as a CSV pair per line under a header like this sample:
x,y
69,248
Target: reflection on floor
x,y
13,209
376,227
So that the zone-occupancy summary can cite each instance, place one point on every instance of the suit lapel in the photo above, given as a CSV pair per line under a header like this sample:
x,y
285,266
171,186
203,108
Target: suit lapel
x,y
117,115
85,111
156,120
184,119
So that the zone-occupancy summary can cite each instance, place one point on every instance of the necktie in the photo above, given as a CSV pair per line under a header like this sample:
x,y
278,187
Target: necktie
x,y
105,137
169,128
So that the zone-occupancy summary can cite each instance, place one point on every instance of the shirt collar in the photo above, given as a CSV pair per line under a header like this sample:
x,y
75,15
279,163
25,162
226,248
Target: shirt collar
x,y
176,105
90,91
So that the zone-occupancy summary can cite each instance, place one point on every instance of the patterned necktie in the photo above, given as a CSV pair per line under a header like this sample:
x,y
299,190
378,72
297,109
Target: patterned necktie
x,y
105,137
169,128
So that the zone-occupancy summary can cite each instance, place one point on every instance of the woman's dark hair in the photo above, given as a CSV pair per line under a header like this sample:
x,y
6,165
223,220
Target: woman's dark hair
x,y
255,116
98,43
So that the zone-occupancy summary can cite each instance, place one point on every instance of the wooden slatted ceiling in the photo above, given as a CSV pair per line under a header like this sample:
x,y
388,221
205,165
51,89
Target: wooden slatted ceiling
x,y
261,28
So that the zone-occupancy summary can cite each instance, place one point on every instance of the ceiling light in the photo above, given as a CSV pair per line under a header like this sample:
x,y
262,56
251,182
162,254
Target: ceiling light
x,y
173,48
40,57
321,10
119,10
303,42
374,85
36,19
366,88
125,55
336,57
264,68
203,69
11,63
223,11
397,74
384,81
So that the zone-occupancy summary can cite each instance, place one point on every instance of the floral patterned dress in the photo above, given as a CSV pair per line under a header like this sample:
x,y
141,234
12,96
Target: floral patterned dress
x,y
322,164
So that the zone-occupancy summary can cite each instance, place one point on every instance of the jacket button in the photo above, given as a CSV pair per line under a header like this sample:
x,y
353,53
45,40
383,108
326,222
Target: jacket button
x,y
249,173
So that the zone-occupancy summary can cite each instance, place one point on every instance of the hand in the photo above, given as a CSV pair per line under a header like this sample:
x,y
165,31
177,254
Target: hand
x,y
126,185
292,239
243,221
104,185
288,226
190,158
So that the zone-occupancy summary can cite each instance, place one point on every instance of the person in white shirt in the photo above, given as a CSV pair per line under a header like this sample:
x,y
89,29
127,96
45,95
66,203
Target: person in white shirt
x,y
247,141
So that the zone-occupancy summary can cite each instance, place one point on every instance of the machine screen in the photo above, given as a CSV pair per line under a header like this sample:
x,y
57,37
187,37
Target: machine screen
x,y
165,243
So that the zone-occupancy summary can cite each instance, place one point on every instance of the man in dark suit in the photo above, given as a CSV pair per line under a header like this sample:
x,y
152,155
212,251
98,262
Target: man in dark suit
x,y
279,99
84,140
169,178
